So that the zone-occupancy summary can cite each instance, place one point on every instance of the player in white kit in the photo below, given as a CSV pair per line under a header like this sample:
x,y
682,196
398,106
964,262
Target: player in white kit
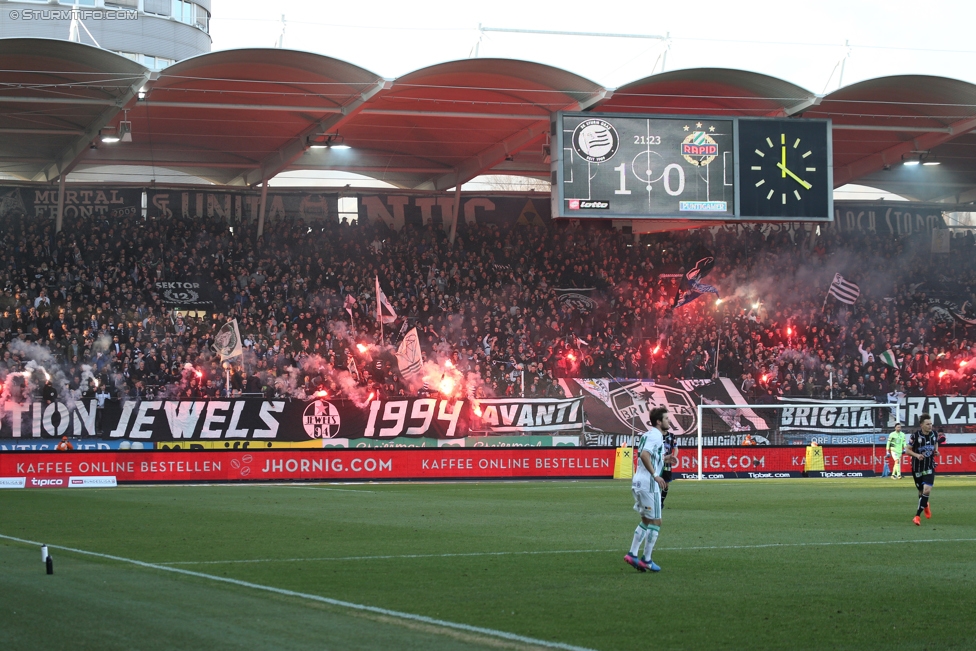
x,y
646,487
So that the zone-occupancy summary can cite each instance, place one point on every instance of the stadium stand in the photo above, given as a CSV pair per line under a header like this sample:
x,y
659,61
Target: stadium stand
x,y
490,303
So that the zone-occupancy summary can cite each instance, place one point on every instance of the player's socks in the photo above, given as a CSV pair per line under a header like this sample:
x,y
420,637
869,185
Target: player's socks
x,y
652,533
923,501
639,534
664,496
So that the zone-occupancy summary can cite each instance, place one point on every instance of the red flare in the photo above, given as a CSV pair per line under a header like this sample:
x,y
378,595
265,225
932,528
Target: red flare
x,y
789,332
361,348
447,385
322,394
199,374
963,363
656,350
571,357
369,398
942,373
765,378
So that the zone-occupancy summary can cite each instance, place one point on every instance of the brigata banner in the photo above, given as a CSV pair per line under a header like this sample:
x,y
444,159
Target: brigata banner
x,y
956,412
352,465
265,421
832,417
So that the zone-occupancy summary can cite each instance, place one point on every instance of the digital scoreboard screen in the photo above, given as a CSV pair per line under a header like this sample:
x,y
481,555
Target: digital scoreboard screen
x,y
690,167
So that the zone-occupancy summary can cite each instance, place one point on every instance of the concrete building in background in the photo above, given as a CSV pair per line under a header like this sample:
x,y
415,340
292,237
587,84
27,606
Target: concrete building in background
x,y
154,33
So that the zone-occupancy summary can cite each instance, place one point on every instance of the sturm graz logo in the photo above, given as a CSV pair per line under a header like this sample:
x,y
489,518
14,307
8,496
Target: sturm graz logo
x,y
321,420
595,140
632,404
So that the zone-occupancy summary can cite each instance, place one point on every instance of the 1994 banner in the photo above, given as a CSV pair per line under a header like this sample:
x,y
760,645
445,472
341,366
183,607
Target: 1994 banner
x,y
289,420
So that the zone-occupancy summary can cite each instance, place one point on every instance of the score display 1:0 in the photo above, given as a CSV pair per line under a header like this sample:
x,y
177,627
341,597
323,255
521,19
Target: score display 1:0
x,y
645,166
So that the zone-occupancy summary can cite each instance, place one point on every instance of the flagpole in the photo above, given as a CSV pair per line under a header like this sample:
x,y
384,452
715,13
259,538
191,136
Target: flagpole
x,y
379,308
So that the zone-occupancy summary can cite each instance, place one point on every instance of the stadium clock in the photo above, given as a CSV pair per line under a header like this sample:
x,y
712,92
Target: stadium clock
x,y
785,169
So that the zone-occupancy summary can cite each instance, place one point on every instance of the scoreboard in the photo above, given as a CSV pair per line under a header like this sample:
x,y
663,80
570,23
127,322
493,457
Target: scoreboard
x,y
626,166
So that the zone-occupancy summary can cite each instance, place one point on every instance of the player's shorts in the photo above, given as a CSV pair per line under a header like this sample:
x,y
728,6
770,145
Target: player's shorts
x,y
666,476
647,502
922,480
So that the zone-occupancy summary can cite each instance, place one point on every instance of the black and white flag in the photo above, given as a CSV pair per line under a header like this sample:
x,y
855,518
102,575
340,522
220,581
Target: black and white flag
x,y
844,290
227,343
384,311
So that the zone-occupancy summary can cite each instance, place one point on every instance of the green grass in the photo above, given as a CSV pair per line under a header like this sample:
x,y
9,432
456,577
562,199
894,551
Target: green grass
x,y
907,594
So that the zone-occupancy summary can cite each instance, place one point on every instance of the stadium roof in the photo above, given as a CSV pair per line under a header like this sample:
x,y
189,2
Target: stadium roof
x,y
238,117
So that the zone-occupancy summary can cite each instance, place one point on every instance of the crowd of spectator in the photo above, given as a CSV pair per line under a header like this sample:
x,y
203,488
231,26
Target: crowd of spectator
x,y
84,304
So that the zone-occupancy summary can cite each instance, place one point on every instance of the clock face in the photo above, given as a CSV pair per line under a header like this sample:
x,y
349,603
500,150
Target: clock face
x,y
784,168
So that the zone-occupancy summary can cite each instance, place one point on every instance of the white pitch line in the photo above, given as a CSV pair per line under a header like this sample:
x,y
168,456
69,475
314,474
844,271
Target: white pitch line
x,y
390,557
313,597
564,551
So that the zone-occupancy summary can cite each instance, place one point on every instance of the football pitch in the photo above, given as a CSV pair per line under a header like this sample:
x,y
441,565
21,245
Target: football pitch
x,y
764,564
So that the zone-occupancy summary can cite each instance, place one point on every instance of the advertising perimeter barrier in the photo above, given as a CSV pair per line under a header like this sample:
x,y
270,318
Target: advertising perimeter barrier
x,y
45,469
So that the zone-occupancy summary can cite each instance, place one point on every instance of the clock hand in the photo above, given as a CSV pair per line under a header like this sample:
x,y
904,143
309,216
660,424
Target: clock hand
x,y
796,178
783,164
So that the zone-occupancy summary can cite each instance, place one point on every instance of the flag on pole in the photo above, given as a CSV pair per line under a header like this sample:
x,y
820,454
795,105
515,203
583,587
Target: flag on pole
x,y
844,290
888,357
410,359
384,311
348,304
227,343
353,369
691,286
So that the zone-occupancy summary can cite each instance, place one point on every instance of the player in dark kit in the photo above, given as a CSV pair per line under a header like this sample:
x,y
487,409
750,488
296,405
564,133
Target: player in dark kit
x,y
670,459
923,446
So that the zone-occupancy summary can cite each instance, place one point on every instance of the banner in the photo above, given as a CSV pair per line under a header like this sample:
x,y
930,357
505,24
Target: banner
x,y
430,464
948,300
506,211
832,417
395,210
618,409
230,421
889,218
79,201
958,413
326,465
187,294
242,206
526,415
837,459
578,298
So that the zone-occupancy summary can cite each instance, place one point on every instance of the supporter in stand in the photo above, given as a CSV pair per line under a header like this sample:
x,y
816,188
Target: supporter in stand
x,y
85,298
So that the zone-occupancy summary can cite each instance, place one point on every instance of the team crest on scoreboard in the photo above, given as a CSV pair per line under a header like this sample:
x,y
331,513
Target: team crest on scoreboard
x,y
321,420
699,148
595,140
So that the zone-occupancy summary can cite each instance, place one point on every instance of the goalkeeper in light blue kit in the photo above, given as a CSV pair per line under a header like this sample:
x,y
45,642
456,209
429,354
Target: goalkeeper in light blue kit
x,y
646,487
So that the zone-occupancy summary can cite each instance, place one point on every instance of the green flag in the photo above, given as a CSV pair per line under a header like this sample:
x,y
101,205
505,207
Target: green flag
x,y
888,357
